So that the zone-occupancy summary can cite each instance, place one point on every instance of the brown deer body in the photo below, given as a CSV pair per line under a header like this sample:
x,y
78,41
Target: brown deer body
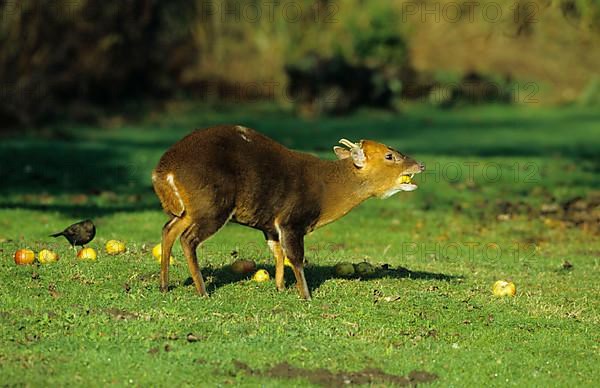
x,y
234,173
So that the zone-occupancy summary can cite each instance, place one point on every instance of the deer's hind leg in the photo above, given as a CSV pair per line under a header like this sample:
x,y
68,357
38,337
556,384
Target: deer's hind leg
x,y
275,246
193,236
172,229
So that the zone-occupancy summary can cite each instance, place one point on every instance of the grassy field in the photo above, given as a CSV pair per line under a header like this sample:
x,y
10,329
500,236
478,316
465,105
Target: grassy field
x,y
509,193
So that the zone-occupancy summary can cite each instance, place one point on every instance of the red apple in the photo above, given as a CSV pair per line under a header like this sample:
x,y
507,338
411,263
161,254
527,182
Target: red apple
x,y
24,256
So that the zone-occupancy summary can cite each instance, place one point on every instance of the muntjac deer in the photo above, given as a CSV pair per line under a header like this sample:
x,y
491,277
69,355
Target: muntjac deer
x,y
234,173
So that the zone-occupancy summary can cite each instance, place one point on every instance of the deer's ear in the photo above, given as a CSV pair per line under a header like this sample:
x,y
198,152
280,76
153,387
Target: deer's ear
x,y
358,156
341,152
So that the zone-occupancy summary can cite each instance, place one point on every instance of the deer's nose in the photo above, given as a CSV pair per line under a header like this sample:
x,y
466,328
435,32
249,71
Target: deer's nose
x,y
421,166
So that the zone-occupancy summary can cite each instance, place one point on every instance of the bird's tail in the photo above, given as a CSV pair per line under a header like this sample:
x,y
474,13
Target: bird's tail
x,y
56,234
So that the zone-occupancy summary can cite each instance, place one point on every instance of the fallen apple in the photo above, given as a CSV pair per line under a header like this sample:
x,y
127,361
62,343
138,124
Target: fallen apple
x,y
261,276
87,254
288,263
114,247
243,266
504,288
47,256
344,269
364,269
24,256
157,253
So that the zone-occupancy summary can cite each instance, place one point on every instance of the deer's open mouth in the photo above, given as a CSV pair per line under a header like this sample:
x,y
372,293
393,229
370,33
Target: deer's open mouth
x,y
406,183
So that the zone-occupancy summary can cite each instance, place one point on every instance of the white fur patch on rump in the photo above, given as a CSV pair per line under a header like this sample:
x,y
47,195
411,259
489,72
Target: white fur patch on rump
x,y
171,182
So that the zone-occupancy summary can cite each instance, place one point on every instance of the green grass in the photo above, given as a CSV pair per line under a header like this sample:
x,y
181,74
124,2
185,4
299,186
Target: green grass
x,y
106,322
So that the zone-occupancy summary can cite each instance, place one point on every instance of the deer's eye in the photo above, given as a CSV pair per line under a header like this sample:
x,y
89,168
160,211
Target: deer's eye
x,y
389,156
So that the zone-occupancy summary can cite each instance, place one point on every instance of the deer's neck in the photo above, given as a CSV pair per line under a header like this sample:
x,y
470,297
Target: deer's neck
x,y
343,189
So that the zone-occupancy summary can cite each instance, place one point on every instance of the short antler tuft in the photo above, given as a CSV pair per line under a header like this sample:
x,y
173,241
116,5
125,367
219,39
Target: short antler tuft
x,y
348,143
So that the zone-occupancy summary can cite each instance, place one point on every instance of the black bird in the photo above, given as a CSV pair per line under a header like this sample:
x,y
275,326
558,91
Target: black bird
x,y
78,234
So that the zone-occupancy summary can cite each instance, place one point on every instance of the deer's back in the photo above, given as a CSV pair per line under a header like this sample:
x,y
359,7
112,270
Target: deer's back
x,y
237,168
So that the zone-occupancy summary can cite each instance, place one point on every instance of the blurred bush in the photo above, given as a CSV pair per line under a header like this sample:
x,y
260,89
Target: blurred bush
x,y
364,69
68,57
73,59
542,52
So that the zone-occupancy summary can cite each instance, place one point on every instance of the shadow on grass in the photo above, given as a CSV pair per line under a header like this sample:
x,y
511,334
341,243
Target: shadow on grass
x,y
80,180
71,175
485,135
59,167
87,211
316,275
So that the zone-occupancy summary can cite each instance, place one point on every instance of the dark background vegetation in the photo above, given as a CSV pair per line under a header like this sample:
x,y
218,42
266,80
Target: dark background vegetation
x,y
79,60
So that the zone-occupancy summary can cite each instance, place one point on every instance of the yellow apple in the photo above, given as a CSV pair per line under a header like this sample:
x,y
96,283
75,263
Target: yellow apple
x,y
47,256
504,288
157,253
24,256
114,247
261,276
87,254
